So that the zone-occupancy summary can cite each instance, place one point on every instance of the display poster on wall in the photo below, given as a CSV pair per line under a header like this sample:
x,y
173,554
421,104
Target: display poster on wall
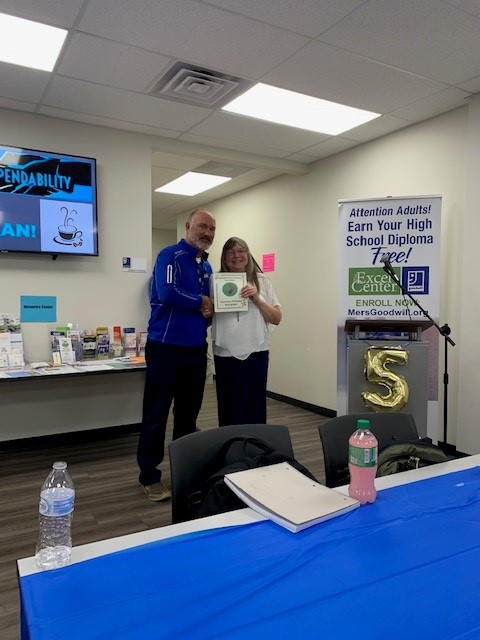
x,y
406,231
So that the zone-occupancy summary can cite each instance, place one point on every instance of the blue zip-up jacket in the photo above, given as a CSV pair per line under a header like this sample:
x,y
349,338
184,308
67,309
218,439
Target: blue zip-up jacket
x,y
178,283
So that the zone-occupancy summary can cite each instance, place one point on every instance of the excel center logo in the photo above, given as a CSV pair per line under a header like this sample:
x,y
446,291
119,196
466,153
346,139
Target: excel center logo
x,y
367,281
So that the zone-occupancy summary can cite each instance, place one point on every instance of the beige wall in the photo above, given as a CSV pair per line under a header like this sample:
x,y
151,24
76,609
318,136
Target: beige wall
x,y
466,408
162,238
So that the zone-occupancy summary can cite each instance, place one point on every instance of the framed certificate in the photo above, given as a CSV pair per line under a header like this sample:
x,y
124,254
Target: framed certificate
x,y
226,292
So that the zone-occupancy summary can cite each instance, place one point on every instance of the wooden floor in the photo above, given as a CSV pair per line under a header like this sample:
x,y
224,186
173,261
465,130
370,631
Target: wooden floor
x,y
109,500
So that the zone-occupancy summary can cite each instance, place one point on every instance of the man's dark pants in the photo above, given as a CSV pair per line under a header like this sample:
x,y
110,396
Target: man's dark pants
x,y
174,373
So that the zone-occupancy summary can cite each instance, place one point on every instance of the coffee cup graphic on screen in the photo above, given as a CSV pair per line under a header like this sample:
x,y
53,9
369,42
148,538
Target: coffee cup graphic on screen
x,y
68,232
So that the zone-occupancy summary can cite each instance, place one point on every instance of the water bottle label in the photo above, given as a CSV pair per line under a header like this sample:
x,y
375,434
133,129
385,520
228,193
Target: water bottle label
x,y
56,507
361,457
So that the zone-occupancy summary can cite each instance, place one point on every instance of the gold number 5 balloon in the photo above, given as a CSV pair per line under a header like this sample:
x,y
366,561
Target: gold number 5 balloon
x,y
376,371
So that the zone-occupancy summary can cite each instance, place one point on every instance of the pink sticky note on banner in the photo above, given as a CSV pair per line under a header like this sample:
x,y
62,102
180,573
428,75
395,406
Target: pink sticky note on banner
x,y
268,262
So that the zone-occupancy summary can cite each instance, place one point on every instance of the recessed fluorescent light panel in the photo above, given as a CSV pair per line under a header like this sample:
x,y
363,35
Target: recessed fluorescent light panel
x,y
297,110
29,44
192,183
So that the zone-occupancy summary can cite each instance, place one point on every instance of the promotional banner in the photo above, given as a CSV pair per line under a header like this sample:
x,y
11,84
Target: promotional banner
x,y
405,232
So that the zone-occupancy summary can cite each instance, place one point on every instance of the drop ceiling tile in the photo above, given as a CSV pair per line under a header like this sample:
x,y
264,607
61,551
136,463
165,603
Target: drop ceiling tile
x,y
21,83
67,114
261,175
470,6
122,66
58,13
329,147
244,184
310,19
429,38
324,71
303,157
442,102
184,203
165,200
233,145
222,191
94,99
375,129
193,32
17,105
227,126
472,85
224,169
174,161
163,175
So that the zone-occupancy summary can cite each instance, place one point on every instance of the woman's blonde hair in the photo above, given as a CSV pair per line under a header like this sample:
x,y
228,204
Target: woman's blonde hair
x,y
252,268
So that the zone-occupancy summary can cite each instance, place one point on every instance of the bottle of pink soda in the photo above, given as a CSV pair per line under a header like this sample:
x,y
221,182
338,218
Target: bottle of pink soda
x,y
362,463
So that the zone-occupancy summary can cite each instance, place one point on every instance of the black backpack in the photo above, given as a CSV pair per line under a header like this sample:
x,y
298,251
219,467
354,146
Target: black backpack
x,y
403,456
237,454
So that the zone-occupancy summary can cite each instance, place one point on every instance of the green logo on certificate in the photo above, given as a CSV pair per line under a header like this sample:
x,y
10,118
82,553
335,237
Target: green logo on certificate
x,y
227,287
230,289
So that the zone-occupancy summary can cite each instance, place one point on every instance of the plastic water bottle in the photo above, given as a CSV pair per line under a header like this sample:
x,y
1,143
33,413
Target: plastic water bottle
x,y
57,498
362,463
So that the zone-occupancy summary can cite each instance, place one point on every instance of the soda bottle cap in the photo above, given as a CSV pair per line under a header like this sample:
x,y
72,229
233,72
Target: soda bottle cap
x,y
363,424
59,465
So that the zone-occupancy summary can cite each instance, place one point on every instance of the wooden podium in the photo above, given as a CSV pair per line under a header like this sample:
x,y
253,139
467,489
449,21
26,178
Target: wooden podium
x,y
363,334
356,326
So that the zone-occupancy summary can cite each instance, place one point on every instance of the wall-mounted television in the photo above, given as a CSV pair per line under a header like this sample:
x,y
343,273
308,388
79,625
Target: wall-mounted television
x,y
48,202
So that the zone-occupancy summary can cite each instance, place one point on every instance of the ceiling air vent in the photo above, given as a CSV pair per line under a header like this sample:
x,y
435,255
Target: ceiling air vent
x,y
188,83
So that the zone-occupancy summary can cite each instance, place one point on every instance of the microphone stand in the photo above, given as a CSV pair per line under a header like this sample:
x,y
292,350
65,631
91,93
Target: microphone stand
x,y
444,331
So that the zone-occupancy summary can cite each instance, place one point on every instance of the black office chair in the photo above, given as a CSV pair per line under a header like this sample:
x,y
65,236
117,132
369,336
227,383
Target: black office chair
x,y
388,428
190,457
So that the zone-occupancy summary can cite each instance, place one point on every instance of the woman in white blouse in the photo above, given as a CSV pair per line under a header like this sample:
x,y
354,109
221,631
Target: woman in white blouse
x,y
240,342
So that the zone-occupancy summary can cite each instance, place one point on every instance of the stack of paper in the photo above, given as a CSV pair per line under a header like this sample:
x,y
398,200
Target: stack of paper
x,y
285,496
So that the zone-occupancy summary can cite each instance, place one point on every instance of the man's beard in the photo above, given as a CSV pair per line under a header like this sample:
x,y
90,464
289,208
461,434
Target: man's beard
x,y
203,243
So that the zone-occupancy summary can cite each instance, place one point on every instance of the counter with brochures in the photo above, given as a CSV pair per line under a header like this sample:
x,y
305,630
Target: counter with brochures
x,y
43,400
37,370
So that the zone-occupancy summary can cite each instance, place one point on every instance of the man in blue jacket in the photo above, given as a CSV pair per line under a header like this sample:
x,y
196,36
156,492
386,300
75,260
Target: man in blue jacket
x,y
176,349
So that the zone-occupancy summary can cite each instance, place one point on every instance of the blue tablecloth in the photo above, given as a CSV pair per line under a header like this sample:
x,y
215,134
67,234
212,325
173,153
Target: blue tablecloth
x,y
407,566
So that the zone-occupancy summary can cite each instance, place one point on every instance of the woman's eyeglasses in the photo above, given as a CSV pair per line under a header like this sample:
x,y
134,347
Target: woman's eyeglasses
x,y
232,252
